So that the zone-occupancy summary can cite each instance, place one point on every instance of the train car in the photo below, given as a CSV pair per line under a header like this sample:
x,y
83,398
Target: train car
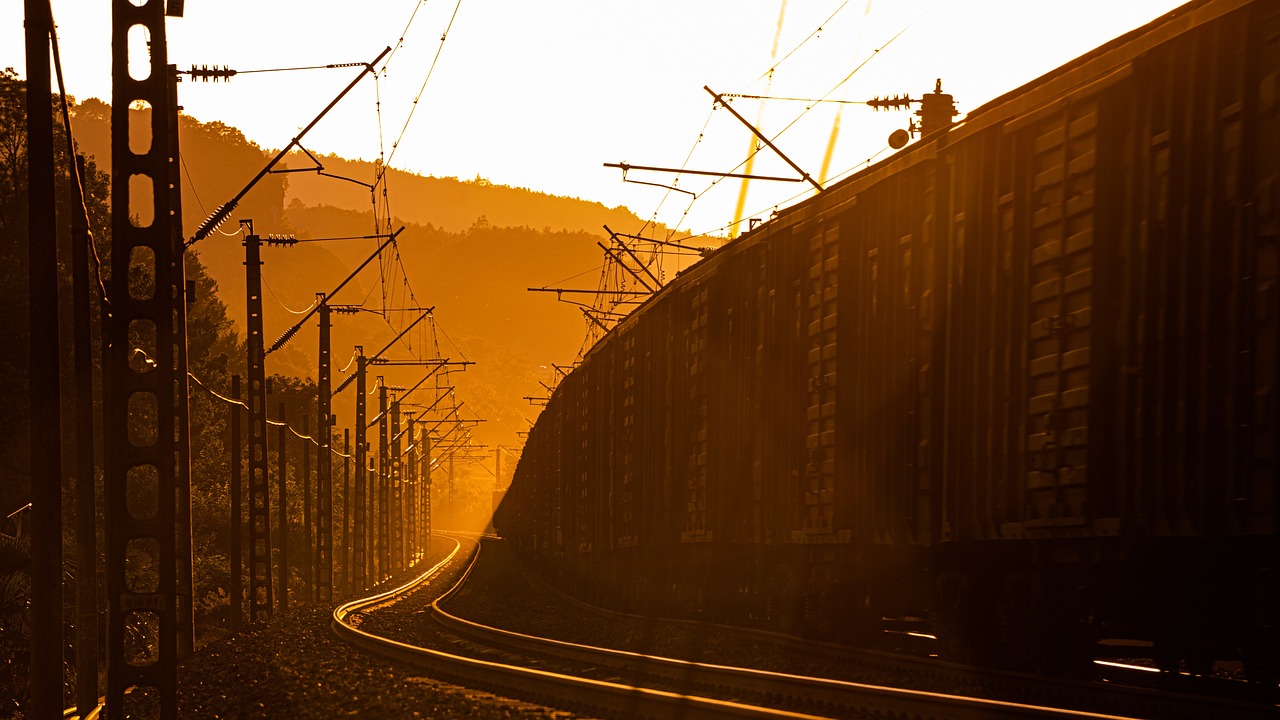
x,y
1016,385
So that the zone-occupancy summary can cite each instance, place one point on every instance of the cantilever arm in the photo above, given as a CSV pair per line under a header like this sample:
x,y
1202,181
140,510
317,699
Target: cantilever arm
x,y
224,210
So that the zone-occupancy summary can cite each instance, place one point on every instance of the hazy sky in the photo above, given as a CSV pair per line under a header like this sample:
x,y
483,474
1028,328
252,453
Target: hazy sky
x,y
539,94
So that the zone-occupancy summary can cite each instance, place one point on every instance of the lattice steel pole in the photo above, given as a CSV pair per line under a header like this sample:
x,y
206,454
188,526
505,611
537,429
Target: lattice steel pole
x,y
397,492
411,482
324,463
86,494
372,475
261,590
426,492
282,481
308,558
359,518
346,506
141,426
383,554
181,388
237,525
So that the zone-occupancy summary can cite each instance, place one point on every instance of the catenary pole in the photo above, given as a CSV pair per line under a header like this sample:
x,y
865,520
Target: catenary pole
x,y
45,388
237,529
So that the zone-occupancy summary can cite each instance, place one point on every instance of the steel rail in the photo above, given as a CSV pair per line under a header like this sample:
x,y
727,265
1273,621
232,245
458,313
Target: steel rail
x,y
346,610
1032,687
838,697
537,685
832,696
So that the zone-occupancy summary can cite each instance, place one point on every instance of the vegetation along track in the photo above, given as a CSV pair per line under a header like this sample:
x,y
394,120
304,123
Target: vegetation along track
x,y
619,683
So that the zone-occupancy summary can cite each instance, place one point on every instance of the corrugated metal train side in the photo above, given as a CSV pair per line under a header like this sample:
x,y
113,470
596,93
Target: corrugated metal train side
x,y
1017,384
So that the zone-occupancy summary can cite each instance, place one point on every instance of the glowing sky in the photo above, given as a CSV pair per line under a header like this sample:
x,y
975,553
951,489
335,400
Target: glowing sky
x,y
538,94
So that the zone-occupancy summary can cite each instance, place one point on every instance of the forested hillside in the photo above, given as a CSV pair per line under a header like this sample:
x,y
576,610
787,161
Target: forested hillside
x,y
470,250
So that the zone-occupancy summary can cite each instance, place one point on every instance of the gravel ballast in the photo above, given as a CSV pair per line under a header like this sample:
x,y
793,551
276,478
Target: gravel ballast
x,y
294,666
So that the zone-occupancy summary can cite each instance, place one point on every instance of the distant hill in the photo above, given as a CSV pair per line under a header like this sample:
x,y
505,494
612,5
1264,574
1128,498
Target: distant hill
x,y
450,203
470,249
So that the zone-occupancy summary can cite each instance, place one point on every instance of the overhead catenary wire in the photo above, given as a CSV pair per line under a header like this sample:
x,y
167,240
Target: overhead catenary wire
x,y
797,196
224,211
852,72
65,107
749,169
232,401
431,69
417,5
395,282
676,182
817,31
791,124
391,266
745,96
352,359
286,308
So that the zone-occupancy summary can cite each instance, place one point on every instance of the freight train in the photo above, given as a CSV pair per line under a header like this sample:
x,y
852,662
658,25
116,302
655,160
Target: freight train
x,y
1014,387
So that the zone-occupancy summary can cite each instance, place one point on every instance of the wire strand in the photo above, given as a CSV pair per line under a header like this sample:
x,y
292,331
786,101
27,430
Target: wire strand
x,y
395,145
810,36
403,33
232,401
791,124
286,307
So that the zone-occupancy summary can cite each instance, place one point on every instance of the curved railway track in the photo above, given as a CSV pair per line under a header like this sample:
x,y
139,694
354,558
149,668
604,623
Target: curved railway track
x,y
619,683
1118,692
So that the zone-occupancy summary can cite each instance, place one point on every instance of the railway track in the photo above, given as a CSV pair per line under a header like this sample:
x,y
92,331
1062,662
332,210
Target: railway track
x,y
1116,691
610,682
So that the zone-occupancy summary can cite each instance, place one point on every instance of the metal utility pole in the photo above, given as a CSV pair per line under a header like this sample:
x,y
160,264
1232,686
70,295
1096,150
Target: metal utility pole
x,y
426,492
451,508
359,548
45,388
260,586
182,389
413,491
371,473
384,495
86,497
237,552
141,421
397,492
307,561
282,480
324,463
346,517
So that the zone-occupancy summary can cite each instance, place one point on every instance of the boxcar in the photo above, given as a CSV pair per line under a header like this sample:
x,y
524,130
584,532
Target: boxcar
x,y
1016,384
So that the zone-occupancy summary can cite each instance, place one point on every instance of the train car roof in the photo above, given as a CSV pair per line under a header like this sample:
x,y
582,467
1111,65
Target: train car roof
x,y
1091,72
